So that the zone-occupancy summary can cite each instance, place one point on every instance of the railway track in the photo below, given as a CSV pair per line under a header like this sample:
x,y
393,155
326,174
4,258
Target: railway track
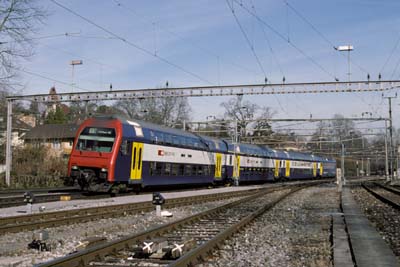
x,y
181,243
54,219
386,194
12,198
11,192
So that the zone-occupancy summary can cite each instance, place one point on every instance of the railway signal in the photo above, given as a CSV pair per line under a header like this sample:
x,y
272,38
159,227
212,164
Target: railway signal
x,y
158,200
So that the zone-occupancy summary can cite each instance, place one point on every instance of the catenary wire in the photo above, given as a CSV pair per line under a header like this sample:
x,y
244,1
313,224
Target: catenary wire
x,y
144,50
320,33
51,79
390,55
283,38
246,37
180,37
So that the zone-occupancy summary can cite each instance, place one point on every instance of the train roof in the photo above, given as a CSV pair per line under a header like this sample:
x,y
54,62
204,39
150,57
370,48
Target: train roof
x,y
280,154
214,144
300,156
158,133
154,132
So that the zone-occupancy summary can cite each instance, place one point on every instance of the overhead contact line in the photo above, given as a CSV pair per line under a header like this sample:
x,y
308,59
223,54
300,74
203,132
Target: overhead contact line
x,y
144,50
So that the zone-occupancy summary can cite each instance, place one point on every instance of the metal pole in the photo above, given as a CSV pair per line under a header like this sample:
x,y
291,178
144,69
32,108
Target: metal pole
x,y
386,154
348,59
369,166
8,142
362,157
72,82
391,137
357,169
343,177
397,164
236,177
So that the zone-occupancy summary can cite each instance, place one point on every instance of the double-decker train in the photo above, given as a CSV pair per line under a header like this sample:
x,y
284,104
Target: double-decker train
x,y
111,153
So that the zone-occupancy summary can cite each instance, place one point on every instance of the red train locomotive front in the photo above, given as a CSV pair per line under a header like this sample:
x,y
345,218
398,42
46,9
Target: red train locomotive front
x,y
93,157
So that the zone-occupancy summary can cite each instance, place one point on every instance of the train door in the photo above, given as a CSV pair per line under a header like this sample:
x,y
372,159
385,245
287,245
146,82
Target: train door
x,y
236,166
287,171
314,169
136,163
123,163
276,172
218,166
321,169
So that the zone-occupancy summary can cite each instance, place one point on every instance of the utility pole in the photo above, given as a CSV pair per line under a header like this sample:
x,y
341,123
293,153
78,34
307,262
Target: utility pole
x,y
8,142
391,133
73,64
343,177
386,154
347,48
235,164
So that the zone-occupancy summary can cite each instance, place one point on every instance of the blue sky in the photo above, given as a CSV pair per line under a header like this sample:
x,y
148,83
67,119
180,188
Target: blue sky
x,y
203,38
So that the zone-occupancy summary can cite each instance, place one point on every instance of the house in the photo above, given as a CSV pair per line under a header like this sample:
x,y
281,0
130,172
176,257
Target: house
x,y
59,138
19,129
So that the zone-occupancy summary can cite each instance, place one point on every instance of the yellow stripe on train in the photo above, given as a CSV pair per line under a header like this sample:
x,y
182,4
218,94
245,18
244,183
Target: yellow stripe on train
x,y
136,162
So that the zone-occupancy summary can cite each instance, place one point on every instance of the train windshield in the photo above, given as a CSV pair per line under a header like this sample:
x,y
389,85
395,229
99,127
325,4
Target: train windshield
x,y
96,139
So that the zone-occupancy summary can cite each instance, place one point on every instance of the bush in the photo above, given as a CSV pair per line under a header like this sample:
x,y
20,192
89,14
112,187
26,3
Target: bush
x,y
35,167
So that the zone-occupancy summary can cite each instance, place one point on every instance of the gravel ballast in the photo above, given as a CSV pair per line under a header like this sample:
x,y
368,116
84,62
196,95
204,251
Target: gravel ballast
x,y
65,239
294,233
382,216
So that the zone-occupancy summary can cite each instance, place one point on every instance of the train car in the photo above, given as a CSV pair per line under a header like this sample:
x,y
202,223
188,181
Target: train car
x,y
302,166
117,152
112,153
249,163
328,168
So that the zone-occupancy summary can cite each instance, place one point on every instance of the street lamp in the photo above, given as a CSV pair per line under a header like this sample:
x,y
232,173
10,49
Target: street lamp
x,y
347,48
73,63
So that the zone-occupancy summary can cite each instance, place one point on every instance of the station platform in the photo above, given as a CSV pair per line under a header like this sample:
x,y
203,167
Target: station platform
x,y
369,249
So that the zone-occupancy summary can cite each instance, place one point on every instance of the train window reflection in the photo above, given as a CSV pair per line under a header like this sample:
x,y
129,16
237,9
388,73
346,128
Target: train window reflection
x,y
96,139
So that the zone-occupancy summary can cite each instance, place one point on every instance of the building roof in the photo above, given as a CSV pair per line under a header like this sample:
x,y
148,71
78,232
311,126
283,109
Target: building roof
x,y
52,131
17,124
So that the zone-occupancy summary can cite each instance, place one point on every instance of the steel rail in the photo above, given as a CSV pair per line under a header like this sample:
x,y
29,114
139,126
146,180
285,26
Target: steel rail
x,y
57,218
37,190
99,252
384,199
390,189
14,201
196,255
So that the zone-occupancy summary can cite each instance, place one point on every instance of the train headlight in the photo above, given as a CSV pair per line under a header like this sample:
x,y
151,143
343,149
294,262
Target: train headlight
x,y
74,167
104,170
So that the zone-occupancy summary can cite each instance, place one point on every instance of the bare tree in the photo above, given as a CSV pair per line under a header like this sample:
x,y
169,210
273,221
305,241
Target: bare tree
x,y
169,111
18,23
245,111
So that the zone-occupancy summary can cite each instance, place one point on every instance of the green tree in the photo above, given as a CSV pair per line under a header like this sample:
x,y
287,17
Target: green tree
x,y
56,117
